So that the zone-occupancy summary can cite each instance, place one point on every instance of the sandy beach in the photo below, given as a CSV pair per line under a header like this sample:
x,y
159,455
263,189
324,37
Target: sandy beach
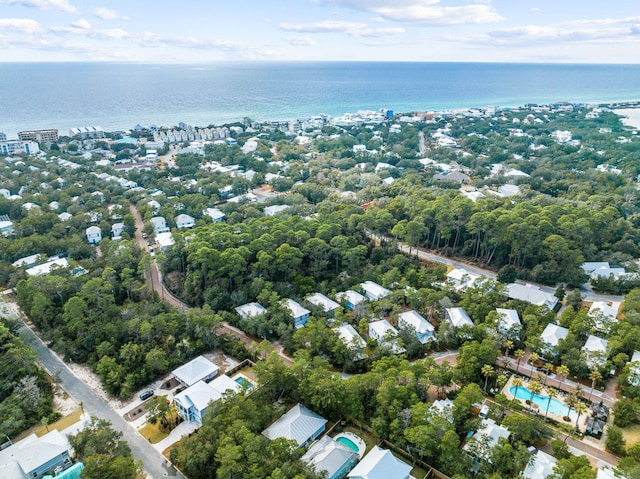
x,y
632,116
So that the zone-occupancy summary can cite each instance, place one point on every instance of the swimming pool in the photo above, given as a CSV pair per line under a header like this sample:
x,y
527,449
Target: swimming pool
x,y
244,382
555,407
348,442
352,441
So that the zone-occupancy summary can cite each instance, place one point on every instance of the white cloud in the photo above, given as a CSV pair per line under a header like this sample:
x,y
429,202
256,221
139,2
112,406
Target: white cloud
x,y
44,4
21,25
425,12
353,29
301,41
82,23
107,14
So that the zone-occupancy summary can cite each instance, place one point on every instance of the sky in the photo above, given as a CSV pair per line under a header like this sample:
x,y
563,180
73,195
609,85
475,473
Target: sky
x,y
202,31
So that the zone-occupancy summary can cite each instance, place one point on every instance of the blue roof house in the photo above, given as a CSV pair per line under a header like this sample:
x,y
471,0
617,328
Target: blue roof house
x,y
299,424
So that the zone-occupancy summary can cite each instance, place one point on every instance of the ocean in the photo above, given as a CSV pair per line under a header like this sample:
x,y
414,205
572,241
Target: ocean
x,y
118,96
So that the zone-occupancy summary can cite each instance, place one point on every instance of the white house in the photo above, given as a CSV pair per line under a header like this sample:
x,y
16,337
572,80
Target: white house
x,y
6,225
380,464
192,403
595,351
298,424
198,369
250,310
350,298
602,269
551,337
460,280
540,466
94,234
532,294
327,305
457,317
165,241
64,216
26,261
33,457
185,221
373,291
215,214
159,225
331,457
382,332
116,231
275,209
350,337
485,439
634,369
423,328
46,268
509,323
299,314
604,314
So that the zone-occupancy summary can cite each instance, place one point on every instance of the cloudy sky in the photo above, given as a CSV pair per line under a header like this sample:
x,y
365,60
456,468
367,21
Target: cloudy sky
x,y
193,31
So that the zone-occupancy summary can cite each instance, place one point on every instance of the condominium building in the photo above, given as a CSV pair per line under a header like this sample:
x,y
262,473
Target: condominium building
x,y
41,136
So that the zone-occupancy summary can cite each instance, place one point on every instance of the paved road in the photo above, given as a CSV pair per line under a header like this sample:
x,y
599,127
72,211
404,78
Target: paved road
x,y
588,295
153,462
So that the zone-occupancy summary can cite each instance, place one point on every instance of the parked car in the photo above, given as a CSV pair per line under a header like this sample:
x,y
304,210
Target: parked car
x,y
144,235
146,395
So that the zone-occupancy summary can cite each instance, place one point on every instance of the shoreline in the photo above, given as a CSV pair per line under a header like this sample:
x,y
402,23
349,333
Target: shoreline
x,y
630,116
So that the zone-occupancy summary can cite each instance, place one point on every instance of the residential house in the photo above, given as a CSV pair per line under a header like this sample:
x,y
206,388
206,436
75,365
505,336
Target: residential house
x,y
380,464
424,330
452,175
198,369
299,314
351,299
331,457
460,279
185,221
275,209
33,457
457,317
595,351
382,332
64,216
352,340
532,294
6,226
159,225
192,403
604,315
165,241
250,310
509,324
485,439
373,291
634,369
551,337
154,206
444,407
27,261
327,305
299,424
602,269
116,231
46,268
540,466
215,214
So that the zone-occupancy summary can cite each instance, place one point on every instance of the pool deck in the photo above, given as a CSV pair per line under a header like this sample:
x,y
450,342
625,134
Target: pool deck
x,y
506,391
357,440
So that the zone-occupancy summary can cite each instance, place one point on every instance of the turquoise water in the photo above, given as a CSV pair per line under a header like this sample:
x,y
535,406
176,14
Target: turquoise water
x,y
245,383
349,443
118,96
555,407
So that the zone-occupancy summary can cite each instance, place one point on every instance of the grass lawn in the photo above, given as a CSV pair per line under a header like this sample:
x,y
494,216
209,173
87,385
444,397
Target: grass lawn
x,y
153,433
60,425
632,434
366,436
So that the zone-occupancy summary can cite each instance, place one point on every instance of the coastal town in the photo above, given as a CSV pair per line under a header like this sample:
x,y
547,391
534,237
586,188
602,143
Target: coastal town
x,y
375,295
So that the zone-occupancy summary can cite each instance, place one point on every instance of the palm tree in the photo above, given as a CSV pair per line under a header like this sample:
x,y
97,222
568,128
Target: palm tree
x,y
508,346
517,382
519,354
594,376
501,380
552,393
563,372
532,359
487,370
535,387
548,367
580,408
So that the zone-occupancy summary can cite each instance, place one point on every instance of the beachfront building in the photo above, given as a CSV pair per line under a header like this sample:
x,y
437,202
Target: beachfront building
x,y
9,147
299,424
198,369
380,464
85,132
41,136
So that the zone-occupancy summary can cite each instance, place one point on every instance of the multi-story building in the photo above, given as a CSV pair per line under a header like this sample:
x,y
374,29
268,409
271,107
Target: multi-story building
x,y
85,132
3,136
7,147
41,136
